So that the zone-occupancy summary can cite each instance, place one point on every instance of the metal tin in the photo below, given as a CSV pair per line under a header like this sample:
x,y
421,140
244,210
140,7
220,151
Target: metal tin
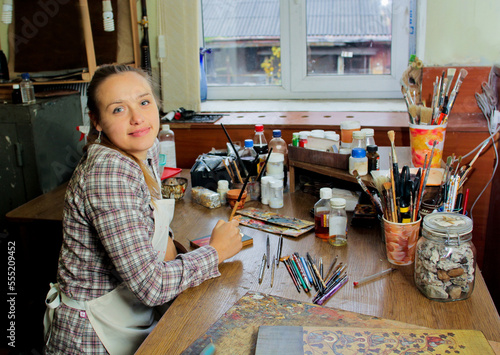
x,y
445,257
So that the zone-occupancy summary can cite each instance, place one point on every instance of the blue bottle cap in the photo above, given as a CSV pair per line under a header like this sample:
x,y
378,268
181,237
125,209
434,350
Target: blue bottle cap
x,y
248,143
276,133
358,153
25,76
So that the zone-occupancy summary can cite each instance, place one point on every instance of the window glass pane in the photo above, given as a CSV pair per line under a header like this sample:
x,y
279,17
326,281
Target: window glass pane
x,y
349,37
244,38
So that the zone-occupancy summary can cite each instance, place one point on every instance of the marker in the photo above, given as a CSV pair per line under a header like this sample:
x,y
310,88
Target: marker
x,y
262,268
268,252
374,276
209,350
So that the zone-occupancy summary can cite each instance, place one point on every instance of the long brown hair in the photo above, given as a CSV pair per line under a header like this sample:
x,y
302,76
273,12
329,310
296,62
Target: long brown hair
x,y
101,74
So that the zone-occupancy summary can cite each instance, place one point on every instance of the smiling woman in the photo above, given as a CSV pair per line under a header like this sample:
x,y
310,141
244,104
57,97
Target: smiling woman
x,y
118,260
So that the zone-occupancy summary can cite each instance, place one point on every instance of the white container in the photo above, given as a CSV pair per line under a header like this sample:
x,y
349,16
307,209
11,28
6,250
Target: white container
x,y
222,189
319,133
369,136
358,140
265,189
276,196
335,138
346,129
27,89
167,145
275,164
358,161
337,222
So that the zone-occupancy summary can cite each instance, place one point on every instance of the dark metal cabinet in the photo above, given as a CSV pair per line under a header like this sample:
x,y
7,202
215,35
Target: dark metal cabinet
x,y
39,148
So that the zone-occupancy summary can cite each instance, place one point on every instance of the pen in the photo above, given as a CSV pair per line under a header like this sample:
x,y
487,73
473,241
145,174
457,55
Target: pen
x,y
374,276
333,264
280,247
306,269
262,268
208,350
291,274
268,251
316,270
321,268
299,276
334,290
272,270
296,258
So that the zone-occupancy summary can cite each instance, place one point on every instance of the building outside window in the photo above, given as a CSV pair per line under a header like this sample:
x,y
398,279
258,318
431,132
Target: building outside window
x,y
305,48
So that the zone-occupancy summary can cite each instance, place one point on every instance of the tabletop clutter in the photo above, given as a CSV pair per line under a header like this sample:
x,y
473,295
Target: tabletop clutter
x,y
422,225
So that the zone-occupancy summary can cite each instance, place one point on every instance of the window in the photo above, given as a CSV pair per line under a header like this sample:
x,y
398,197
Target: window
x,y
305,49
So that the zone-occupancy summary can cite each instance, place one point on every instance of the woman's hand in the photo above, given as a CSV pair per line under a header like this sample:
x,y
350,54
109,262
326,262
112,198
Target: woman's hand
x,y
226,239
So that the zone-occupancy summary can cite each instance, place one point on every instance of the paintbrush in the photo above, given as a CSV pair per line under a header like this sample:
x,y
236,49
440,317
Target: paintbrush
x,y
425,115
450,75
392,135
375,202
461,76
240,163
265,164
239,197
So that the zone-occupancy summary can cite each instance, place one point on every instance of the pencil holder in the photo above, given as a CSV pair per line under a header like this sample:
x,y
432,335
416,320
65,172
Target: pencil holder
x,y
422,139
401,241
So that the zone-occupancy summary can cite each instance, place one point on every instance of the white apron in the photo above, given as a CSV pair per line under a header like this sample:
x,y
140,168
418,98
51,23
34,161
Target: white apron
x,y
121,321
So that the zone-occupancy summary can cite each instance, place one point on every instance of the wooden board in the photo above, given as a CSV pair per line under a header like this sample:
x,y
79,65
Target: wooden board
x,y
350,340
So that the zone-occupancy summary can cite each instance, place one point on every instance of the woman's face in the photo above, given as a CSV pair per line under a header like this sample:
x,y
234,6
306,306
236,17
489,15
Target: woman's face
x,y
129,114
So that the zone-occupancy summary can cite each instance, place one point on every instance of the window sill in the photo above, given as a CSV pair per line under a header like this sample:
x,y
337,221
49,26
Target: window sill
x,y
396,105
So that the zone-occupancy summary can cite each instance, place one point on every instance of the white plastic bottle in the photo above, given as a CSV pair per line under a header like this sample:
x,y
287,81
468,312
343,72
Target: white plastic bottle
x,y
167,145
322,213
337,222
276,197
27,89
280,152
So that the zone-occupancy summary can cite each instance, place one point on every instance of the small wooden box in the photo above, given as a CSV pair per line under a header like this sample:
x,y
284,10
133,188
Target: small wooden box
x,y
318,157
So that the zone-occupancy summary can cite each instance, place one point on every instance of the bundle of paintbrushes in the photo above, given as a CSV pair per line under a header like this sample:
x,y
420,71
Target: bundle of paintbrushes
x,y
454,177
443,98
402,194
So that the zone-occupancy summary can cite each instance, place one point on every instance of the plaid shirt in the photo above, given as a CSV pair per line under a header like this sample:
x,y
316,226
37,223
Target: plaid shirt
x,y
108,226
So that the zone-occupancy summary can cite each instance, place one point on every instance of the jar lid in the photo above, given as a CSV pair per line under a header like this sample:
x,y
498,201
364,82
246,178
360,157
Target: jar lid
x,y
448,223
276,133
325,193
350,125
248,143
259,128
358,153
337,202
358,134
371,148
303,135
266,180
165,127
332,135
295,134
369,132
223,184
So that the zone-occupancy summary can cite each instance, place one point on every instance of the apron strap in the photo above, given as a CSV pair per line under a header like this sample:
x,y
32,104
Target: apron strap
x,y
53,300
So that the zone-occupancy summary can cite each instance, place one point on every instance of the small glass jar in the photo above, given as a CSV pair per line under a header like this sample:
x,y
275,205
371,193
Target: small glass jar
x,y
276,196
358,161
358,140
295,139
373,158
337,222
222,189
445,260
265,189
303,140
369,136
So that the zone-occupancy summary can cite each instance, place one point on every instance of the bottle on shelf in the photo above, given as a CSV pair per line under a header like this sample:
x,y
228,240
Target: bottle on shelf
x,y
167,145
16,94
358,161
249,157
260,145
27,89
279,154
337,222
373,158
369,136
358,140
322,213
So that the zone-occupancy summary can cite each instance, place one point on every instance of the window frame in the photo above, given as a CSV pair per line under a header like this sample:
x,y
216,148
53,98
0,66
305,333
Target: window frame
x,y
295,84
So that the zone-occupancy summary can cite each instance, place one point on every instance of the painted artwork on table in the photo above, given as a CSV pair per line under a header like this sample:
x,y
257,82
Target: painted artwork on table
x,y
271,222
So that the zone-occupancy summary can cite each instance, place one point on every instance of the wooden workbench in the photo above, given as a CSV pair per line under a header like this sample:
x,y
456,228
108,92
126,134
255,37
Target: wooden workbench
x,y
394,297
